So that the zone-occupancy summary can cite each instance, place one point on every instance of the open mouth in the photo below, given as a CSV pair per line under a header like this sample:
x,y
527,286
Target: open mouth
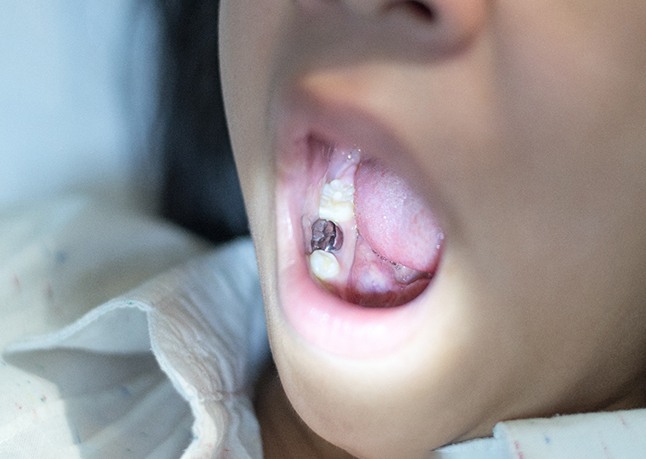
x,y
357,247
367,236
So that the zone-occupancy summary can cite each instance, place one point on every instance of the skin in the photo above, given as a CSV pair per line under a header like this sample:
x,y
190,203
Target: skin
x,y
523,124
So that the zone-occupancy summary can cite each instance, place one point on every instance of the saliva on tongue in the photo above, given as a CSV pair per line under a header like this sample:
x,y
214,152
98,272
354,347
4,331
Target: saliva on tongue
x,y
394,238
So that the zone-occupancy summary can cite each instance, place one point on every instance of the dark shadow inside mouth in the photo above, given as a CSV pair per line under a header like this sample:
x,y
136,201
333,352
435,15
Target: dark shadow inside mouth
x,y
386,299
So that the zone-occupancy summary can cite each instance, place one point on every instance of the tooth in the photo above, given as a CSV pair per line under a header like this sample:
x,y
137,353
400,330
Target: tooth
x,y
324,265
326,235
337,201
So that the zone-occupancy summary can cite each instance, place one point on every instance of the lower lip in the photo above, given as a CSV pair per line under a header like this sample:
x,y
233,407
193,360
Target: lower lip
x,y
322,319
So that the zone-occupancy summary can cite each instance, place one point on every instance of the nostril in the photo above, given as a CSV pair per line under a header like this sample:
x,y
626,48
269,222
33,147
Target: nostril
x,y
420,10
454,24
437,26
415,8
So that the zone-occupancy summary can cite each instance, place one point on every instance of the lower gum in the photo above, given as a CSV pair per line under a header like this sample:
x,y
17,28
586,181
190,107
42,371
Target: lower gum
x,y
375,282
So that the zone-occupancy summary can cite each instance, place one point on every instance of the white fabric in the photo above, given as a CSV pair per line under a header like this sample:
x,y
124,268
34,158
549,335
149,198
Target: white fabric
x,y
620,435
162,370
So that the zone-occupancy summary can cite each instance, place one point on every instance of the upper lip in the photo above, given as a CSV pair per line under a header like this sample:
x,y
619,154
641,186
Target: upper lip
x,y
302,114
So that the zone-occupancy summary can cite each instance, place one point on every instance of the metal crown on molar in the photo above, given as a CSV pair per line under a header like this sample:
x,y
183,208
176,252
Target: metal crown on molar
x,y
326,235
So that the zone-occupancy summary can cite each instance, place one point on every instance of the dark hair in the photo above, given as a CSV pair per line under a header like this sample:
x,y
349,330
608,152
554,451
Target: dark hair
x,y
200,188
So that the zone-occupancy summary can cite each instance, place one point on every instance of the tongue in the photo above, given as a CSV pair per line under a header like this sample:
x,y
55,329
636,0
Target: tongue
x,y
393,219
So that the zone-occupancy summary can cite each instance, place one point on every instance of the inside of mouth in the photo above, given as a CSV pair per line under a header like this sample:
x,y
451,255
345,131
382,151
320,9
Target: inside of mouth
x,y
369,238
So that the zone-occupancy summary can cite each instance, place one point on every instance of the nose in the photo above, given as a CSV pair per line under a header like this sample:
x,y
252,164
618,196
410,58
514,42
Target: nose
x,y
444,24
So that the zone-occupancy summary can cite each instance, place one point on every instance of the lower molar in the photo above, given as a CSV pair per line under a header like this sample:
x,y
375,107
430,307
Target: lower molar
x,y
331,233
324,265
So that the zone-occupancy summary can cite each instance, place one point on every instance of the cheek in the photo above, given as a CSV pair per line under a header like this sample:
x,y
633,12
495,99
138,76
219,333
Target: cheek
x,y
562,171
248,33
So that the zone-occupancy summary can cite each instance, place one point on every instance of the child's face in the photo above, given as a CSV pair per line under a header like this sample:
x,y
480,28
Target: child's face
x,y
503,146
